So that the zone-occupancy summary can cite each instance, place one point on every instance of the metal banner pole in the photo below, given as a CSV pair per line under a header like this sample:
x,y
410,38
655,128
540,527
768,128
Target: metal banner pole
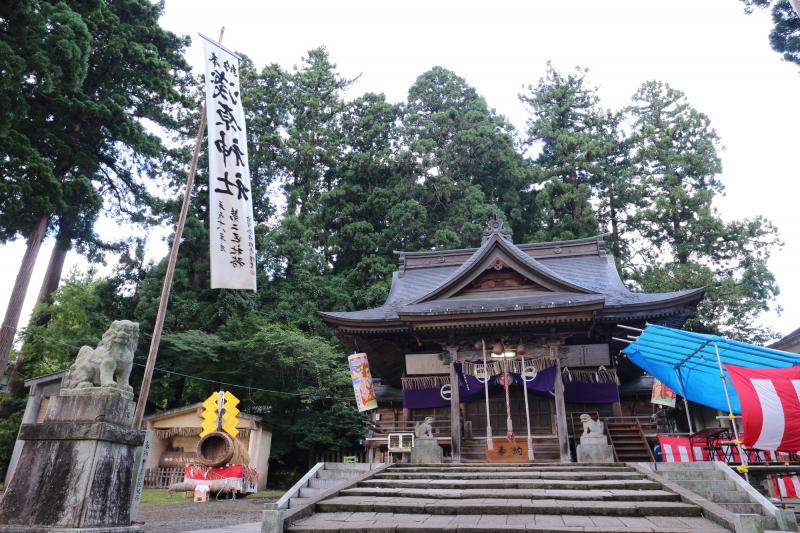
x,y
744,467
527,411
509,426
685,403
489,441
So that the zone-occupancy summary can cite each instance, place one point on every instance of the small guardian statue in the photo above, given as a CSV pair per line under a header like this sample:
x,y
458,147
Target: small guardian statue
x,y
424,429
592,429
426,449
594,447
109,365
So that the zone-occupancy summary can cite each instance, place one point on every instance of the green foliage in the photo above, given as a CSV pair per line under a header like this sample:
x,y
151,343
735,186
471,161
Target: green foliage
x,y
9,427
785,35
76,136
682,241
78,315
568,128
360,178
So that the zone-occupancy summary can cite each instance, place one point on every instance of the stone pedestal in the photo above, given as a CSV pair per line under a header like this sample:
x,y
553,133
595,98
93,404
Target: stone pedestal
x,y
426,450
74,472
595,449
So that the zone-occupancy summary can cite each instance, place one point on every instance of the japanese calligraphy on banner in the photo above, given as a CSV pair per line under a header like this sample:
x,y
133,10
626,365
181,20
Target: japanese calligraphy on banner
x,y
231,226
662,395
362,382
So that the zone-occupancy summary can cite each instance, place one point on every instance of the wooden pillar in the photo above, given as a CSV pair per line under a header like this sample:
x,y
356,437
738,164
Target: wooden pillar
x,y
455,408
616,409
561,417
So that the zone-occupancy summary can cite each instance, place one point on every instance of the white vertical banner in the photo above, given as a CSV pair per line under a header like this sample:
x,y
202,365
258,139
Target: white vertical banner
x,y
231,226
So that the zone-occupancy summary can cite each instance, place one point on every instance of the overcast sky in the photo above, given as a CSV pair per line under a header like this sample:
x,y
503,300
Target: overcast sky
x,y
709,49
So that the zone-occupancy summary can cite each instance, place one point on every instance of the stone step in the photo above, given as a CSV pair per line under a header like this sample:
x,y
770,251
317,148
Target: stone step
x,y
400,466
700,465
309,492
677,475
489,506
317,483
336,474
557,494
347,522
424,469
296,502
726,496
742,508
356,468
702,485
554,475
602,484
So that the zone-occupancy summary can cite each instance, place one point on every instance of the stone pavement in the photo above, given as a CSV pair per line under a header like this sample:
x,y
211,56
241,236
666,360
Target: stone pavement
x,y
252,527
489,497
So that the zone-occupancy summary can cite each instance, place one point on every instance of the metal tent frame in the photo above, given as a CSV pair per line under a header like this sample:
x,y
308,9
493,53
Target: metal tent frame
x,y
692,364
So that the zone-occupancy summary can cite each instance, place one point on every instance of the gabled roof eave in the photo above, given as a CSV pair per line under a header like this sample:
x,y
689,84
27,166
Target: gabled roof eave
x,y
525,264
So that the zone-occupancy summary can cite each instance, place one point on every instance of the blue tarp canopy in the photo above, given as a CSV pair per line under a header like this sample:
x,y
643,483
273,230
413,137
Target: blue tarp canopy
x,y
687,362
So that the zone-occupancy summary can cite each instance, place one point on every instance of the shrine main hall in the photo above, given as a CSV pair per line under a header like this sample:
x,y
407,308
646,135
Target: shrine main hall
x,y
526,330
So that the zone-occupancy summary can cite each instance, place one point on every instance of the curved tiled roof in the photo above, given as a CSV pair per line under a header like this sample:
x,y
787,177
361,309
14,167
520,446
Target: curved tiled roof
x,y
590,277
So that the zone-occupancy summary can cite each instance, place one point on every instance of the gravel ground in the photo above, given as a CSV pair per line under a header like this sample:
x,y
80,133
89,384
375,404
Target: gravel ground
x,y
175,517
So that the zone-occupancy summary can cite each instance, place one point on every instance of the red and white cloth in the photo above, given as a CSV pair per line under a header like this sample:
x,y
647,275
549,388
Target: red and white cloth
x,y
239,478
770,401
680,450
786,486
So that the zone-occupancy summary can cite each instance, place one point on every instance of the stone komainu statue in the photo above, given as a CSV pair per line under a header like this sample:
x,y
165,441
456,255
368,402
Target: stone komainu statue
x,y
424,429
108,365
591,427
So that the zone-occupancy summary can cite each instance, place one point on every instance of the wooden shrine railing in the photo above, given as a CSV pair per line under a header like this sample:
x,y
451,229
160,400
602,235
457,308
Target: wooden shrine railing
x,y
440,428
162,477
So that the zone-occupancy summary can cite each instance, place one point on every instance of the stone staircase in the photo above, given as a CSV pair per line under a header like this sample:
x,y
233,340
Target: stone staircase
x,y
322,477
490,497
718,483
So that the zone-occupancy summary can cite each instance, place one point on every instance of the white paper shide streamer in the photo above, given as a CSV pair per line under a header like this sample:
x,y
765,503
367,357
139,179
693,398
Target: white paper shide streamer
x,y
231,226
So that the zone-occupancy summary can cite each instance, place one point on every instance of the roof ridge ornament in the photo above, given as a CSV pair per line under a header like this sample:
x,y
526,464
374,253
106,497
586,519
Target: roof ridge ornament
x,y
496,226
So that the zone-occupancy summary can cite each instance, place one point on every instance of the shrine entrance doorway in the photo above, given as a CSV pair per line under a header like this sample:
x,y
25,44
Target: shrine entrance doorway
x,y
542,413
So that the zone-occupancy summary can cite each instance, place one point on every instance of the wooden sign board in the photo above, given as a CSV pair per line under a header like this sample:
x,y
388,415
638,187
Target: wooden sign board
x,y
585,355
508,452
425,364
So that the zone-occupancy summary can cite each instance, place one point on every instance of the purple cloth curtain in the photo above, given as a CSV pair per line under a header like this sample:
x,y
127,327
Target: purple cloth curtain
x,y
544,384
471,389
577,392
423,398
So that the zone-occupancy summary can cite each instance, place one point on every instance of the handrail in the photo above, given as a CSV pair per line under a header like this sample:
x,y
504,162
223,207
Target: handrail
x,y
283,502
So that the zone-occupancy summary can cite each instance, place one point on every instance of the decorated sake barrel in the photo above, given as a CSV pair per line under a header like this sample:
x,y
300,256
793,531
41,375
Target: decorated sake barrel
x,y
216,449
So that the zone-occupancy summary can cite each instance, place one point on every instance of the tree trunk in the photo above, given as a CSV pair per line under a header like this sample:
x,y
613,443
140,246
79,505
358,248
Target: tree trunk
x,y
616,248
49,285
55,267
14,309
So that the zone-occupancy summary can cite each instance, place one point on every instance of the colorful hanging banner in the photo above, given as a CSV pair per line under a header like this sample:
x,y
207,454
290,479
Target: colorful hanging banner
x,y
232,229
362,382
662,395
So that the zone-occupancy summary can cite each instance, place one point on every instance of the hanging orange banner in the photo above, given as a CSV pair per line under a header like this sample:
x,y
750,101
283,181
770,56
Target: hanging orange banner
x,y
662,395
362,382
